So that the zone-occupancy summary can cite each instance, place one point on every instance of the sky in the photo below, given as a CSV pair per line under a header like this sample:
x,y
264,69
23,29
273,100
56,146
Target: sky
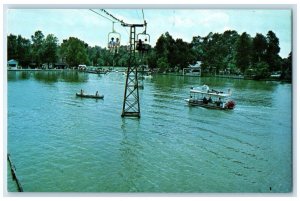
x,y
180,23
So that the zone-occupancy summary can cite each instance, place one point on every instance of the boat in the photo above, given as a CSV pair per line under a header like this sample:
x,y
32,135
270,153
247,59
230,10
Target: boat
x,y
82,95
212,99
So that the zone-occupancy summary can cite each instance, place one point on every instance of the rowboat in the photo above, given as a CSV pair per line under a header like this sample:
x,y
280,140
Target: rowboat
x,y
211,99
89,96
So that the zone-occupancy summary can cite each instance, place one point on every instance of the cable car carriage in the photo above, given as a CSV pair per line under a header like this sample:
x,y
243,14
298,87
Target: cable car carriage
x,y
114,40
143,40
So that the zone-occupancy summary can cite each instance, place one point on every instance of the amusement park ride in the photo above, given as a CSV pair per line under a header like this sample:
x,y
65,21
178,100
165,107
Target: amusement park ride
x,y
137,43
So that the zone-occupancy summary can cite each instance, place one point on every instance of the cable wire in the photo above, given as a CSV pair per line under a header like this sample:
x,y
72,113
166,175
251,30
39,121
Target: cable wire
x,y
107,13
143,15
102,15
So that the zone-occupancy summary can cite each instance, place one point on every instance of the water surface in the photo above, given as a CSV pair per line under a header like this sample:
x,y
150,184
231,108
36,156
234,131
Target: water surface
x,y
61,143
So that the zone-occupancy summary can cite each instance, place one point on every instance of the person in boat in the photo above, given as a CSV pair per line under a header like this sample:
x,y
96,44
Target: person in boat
x,y
205,101
210,100
97,93
81,92
219,102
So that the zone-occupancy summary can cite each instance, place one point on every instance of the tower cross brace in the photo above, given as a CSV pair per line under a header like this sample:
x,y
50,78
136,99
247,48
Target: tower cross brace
x,y
131,102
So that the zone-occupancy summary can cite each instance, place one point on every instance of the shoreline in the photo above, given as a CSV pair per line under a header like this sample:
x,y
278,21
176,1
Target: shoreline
x,y
172,74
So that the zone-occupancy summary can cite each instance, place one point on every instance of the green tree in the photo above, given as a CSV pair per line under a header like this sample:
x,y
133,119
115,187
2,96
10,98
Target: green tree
x,y
50,49
12,47
24,50
172,53
19,48
260,45
261,70
162,52
244,52
151,58
212,52
38,47
161,47
272,57
228,50
162,64
287,66
197,46
74,51
183,55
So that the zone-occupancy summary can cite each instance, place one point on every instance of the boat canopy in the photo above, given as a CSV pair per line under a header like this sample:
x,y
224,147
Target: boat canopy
x,y
210,93
205,90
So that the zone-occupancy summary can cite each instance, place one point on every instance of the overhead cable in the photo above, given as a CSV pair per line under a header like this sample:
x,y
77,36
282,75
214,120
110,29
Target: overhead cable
x,y
101,15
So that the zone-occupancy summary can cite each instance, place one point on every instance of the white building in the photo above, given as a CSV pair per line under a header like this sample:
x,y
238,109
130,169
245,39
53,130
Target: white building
x,y
12,64
194,70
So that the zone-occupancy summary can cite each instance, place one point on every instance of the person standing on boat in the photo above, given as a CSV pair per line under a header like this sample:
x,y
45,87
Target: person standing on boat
x,y
210,100
81,92
219,102
97,93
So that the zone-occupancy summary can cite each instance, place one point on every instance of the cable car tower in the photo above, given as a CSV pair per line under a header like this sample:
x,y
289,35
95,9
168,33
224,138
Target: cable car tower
x,y
131,102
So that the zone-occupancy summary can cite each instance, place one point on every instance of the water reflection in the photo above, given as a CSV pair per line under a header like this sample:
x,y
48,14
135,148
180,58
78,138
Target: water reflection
x,y
48,76
74,76
24,76
169,82
255,85
12,76
130,150
171,148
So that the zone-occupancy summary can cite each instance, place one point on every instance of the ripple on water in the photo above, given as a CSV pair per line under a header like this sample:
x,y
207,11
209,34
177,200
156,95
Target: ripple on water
x,y
63,143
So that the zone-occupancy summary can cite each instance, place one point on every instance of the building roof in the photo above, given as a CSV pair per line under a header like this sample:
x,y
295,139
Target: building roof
x,y
12,61
197,65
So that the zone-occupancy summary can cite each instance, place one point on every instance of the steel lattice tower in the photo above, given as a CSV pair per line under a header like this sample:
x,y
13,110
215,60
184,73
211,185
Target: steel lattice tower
x,y
131,102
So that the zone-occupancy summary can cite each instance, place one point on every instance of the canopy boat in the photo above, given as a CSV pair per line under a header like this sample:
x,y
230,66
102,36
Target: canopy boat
x,y
212,99
82,95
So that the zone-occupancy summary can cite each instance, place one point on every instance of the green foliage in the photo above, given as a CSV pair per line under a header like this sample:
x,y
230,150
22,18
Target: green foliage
x,y
260,45
243,52
50,49
172,53
273,49
38,47
261,70
12,52
218,52
19,48
162,64
74,51
287,66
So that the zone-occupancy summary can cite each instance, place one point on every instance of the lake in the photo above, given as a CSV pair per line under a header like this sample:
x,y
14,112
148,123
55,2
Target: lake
x,y
62,143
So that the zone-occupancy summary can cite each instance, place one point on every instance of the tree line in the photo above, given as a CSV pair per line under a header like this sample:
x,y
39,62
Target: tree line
x,y
224,53
219,53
